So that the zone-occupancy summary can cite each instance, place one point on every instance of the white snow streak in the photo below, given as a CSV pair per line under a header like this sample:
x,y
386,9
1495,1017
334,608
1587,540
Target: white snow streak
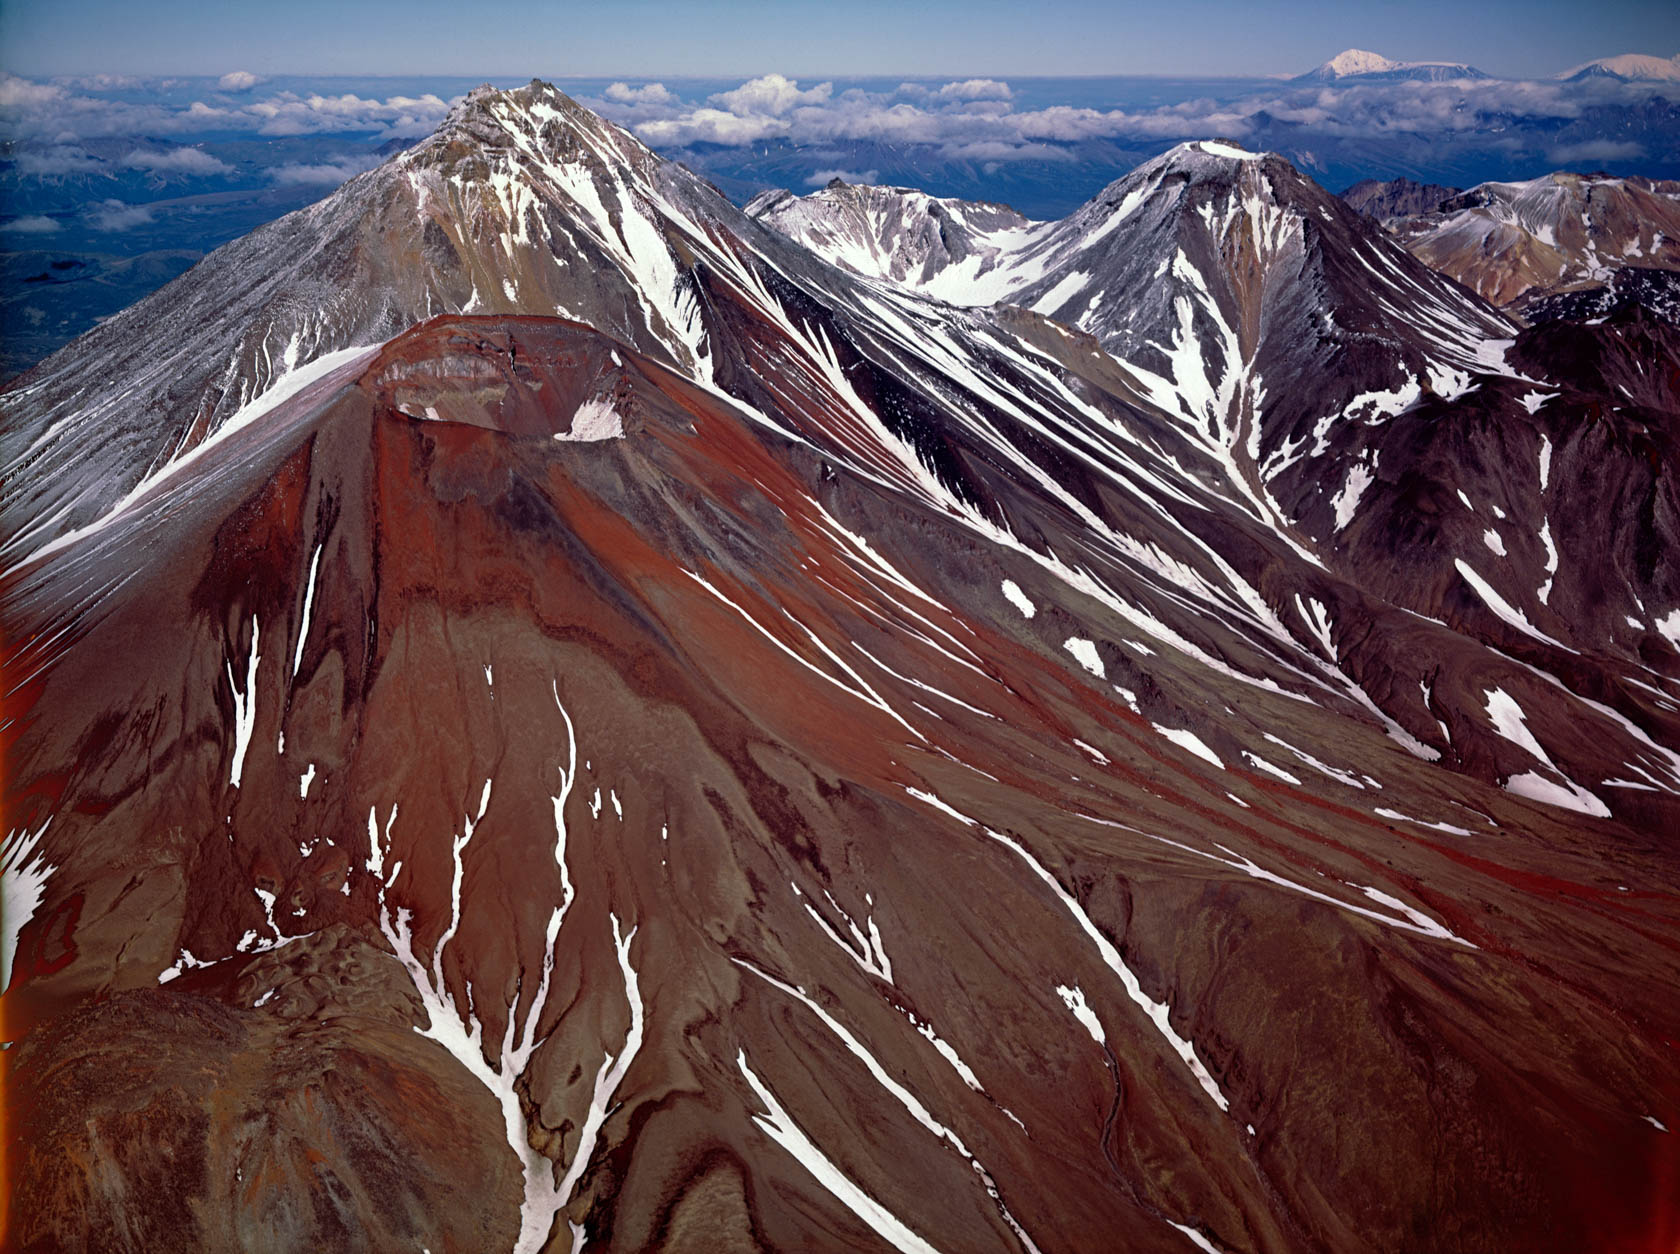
x,y
244,708
461,1034
24,872
1075,999
870,953
913,1106
781,1128
1266,766
1500,606
1510,722
1190,741
308,602
1157,1012
611,1073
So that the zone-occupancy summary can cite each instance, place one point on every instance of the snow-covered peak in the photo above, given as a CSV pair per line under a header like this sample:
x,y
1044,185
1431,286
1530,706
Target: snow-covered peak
x,y
1357,61
895,233
1220,162
538,119
1630,66
1231,152
1200,156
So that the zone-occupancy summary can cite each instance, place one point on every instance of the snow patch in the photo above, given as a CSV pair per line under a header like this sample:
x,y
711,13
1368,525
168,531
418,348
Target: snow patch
x,y
1261,764
1075,999
1085,653
1018,599
1190,741
1502,608
1510,722
244,708
596,419
1346,500
1406,818
24,872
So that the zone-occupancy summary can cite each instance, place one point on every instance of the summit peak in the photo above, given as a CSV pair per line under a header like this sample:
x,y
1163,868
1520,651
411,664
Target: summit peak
x,y
1359,61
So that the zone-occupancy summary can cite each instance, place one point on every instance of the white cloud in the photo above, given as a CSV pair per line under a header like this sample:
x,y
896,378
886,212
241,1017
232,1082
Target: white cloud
x,y
976,89
193,161
114,215
238,80
58,162
1597,150
977,119
650,93
20,93
980,116
291,114
105,82
327,174
33,224
771,95
49,112
710,126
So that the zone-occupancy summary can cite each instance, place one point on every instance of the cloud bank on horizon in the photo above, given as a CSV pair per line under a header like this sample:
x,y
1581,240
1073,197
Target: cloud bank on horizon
x,y
976,117
68,110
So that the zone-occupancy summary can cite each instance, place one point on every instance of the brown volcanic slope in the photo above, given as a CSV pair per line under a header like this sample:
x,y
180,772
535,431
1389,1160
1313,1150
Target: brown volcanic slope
x,y
1558,233
888,791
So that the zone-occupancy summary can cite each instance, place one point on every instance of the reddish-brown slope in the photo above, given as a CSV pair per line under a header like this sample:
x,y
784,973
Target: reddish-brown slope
x,y
760,738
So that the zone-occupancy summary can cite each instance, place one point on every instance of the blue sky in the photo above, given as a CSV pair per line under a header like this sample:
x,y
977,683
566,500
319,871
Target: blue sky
x,y
809,37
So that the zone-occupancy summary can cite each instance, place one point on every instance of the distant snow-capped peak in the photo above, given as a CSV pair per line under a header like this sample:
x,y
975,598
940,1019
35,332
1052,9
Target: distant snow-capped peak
x,y
1630,65
1358,63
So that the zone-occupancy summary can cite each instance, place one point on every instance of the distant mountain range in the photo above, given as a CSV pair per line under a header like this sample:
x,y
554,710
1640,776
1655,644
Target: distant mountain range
x,y
1358,65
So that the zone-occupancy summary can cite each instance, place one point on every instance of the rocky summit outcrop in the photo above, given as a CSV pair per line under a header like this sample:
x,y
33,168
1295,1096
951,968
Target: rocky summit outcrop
x,y
543,710
1394,198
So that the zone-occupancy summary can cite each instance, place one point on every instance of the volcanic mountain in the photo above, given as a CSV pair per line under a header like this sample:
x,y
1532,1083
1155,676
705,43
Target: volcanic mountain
x,y
1358,66
1519,243
543,711
1629,67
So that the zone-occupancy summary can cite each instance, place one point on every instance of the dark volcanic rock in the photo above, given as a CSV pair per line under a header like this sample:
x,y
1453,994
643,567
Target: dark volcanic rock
x,y
1396,197
1656,291
161,1119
